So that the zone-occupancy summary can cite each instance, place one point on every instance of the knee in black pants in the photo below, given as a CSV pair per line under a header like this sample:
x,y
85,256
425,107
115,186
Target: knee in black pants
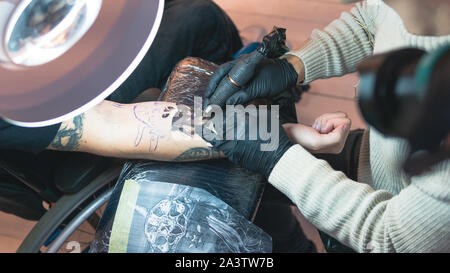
x,y
201,15
276,217
279,221
215,37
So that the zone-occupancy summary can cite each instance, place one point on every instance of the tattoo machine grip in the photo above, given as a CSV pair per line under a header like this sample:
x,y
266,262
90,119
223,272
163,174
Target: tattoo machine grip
x,y
272,46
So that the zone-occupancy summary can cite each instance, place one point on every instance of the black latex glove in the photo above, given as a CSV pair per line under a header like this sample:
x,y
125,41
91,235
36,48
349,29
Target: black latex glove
x,y
269,78
243,150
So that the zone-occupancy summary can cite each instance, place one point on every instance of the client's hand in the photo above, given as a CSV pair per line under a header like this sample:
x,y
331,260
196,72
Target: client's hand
x,y
327,135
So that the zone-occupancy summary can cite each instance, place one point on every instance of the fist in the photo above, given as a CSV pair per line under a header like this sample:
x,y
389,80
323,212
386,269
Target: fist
x,y
327,135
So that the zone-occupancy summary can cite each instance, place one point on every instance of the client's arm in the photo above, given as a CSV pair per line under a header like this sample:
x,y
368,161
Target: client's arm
x,y
149,130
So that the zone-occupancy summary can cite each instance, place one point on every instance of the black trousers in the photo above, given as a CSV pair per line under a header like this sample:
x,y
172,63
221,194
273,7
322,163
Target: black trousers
x,y
189,28
275,215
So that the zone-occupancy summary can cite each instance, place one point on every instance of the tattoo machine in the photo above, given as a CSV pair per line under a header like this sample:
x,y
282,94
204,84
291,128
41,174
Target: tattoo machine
x,y
272,46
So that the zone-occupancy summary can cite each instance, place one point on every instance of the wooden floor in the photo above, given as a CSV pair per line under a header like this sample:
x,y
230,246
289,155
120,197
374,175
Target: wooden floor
x,y
300,17
12,231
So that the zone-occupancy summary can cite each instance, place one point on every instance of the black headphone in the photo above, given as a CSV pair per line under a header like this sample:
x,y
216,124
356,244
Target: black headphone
x,y
398,96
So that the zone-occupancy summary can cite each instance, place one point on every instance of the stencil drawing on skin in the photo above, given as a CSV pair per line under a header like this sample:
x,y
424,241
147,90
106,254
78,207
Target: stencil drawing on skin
x,y
150,123
186,124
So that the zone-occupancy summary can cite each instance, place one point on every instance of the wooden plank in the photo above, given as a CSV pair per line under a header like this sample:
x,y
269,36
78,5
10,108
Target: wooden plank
x,y
315,11
336,2
12,231
343,87
312,106
9,244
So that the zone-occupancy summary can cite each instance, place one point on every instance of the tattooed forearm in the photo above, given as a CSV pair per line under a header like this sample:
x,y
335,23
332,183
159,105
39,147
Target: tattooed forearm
x,y
149,120
157,121
198,154
69,135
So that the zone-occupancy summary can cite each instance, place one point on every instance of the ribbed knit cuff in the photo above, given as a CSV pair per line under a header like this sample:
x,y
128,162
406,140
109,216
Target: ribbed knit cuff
x,y
287,173
313,60
364,170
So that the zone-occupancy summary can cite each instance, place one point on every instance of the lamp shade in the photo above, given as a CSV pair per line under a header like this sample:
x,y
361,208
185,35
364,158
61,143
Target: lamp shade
x,y
58,58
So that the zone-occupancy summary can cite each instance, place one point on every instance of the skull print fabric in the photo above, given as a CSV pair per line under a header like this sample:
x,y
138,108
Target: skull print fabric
x,y
145,216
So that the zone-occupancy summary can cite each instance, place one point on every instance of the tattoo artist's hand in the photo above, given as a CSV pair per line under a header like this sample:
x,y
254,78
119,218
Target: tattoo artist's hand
x,y
271,77
327,135
248,149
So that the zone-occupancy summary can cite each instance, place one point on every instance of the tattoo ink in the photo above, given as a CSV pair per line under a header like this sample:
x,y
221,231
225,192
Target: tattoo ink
x,y
197,154
68,137
167,111
183,121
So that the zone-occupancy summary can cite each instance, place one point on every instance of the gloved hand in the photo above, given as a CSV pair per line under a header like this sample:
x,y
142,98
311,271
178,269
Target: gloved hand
x,y
250,147
269,78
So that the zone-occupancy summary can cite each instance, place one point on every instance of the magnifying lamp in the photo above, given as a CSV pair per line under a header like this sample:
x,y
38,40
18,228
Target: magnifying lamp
x,y
58,58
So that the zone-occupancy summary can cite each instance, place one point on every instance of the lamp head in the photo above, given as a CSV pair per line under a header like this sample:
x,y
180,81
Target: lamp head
x,y
58,58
